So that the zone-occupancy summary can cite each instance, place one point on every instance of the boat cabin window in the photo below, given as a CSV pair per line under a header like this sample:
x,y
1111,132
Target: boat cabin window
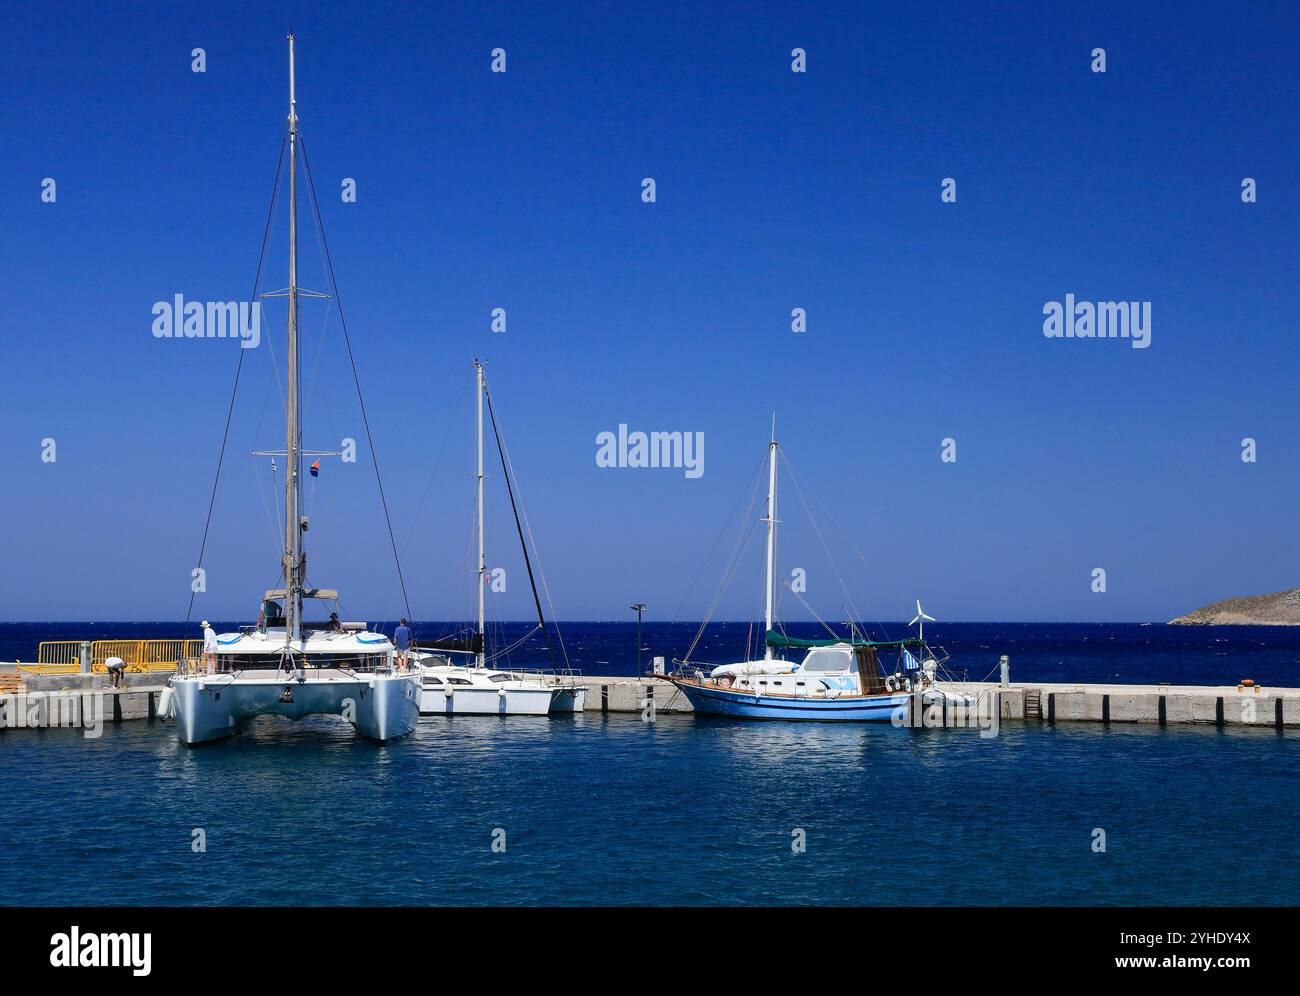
x,y
829,659
430,679
501,677
458,681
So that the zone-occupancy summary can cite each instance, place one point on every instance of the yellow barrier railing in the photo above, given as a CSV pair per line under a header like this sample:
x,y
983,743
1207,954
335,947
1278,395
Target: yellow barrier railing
x,y
59,652
64,656
144,655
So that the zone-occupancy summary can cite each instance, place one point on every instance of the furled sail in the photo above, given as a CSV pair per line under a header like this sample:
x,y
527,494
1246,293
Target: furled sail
x,y
456,645
775,639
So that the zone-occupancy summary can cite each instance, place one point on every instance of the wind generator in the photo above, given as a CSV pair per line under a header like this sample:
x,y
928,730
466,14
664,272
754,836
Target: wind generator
x,y
921,618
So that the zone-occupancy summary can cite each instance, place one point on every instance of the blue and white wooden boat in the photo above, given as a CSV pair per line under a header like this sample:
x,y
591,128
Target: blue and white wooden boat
x,y
836,681
839,679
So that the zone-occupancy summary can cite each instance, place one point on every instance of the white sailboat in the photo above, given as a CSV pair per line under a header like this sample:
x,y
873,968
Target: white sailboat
x,y
474,688
838,679
286,665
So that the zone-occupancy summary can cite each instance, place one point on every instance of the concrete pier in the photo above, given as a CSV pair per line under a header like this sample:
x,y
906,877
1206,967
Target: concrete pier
x,y
1222,705
633,695
34,708
1216,705
1047,703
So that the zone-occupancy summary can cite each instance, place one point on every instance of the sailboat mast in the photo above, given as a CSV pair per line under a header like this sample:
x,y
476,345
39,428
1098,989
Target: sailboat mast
x,y
293,566
771,540
482,561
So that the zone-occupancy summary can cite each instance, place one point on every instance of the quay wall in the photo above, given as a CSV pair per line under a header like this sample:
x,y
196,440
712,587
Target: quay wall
x,y
1048,703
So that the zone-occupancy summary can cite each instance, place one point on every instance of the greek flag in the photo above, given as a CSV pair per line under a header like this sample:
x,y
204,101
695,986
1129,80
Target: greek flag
x,y
910,663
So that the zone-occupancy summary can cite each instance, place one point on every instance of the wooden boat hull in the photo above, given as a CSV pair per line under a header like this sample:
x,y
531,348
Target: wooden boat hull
x,y
712,700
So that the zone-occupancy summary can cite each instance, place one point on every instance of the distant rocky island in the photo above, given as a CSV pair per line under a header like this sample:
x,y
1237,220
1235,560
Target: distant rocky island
x,y
1281,608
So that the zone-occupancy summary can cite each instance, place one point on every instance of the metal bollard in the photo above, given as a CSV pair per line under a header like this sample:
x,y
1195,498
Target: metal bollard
x,y
1005,664
85,657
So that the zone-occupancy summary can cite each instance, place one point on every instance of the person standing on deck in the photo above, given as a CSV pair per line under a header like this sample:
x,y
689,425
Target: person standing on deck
x,y
402,641
209,647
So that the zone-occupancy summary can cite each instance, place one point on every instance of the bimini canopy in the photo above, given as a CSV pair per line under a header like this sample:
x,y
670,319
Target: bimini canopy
x,y
775,639
326,594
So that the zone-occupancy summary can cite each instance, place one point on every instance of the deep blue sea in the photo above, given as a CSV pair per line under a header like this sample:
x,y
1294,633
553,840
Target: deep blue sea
x,y
1072,652
599,809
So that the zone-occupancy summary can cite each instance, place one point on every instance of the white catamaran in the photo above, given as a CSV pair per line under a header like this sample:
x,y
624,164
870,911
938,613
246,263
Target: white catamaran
x,y
286,665
476,689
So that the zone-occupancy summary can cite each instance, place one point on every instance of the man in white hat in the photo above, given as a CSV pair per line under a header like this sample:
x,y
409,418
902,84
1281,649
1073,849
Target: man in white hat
x,y
209,647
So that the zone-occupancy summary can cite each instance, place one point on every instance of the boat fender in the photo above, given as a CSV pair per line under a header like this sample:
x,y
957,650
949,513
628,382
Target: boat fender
x,y
501,692
165,703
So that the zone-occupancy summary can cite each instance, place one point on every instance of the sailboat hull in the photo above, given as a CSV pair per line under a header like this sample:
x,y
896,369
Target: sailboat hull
x,y
462,701
714,701
569,698
466,701
213,707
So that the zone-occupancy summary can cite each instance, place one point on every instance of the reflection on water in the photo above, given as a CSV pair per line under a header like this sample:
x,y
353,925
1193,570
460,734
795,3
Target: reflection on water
x,y
608,809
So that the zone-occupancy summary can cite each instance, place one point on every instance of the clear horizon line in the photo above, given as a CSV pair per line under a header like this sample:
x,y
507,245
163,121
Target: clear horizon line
x,y
571,622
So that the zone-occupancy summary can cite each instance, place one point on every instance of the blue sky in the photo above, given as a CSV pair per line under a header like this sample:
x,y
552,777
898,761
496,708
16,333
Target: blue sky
x,y
775,190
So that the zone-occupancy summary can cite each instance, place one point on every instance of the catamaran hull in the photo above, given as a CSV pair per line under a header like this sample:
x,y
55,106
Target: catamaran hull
x,y
382,707
743,705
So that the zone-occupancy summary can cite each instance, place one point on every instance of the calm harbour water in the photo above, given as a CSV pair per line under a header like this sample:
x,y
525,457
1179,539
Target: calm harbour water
x,y
608,809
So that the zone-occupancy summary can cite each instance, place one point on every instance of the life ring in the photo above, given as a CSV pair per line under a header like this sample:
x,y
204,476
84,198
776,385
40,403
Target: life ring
x,y
891,683
726,681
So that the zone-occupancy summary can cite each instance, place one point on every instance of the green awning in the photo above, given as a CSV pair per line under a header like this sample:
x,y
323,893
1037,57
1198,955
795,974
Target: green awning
x,y
775,639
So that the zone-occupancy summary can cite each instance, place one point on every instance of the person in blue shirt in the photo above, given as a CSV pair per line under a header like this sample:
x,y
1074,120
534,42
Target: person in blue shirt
x,y
402,641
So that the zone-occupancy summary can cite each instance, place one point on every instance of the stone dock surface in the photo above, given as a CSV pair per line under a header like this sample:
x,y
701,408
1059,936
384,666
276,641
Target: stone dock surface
x,y
1049,702
1224,705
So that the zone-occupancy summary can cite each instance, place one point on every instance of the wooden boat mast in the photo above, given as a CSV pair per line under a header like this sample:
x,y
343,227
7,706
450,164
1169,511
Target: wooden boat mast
x,y
482,561
771,540
293,557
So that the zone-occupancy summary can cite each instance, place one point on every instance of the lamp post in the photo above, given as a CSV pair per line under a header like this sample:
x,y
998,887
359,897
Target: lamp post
x,y
638,608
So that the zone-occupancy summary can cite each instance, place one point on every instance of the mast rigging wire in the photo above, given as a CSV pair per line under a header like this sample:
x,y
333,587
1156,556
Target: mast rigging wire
x,y
541,619
239,367
356,378
532,542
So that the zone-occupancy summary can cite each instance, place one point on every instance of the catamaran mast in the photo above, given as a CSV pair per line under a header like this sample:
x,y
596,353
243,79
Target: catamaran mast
x,y
482,561
771,539
293,566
